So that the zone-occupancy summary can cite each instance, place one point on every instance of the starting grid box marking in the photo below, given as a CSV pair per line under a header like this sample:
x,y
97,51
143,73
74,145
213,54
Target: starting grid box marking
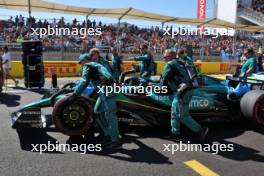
x,y
200,168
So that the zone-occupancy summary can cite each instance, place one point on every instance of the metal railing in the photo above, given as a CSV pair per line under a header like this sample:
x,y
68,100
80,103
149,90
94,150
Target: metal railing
x,y
251,13
11,45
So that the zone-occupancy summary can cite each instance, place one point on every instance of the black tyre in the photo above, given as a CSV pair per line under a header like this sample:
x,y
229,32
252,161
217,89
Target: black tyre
x,y
73,118
252,105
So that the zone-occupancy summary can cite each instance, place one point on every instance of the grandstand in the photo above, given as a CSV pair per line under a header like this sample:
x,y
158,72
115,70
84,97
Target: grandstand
x,y
252,12
131,36
128,37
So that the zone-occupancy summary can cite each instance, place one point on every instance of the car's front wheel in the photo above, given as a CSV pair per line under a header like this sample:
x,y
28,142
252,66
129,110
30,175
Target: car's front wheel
x,y
73,117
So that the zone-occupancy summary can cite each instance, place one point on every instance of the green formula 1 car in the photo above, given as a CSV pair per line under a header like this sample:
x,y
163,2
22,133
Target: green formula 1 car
x,y
214,100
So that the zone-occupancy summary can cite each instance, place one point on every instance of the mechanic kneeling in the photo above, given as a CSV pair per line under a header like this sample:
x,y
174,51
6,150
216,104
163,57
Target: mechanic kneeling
x,y
98,75
177,78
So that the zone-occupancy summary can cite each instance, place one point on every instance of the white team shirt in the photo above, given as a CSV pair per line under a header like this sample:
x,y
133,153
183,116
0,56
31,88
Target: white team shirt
x,y
6,57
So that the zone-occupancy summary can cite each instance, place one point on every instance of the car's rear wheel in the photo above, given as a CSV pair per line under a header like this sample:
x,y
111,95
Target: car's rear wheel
x,y
73,118
252,105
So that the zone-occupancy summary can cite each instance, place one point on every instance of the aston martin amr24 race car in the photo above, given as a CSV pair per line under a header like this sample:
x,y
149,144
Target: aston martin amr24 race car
x,y
214,100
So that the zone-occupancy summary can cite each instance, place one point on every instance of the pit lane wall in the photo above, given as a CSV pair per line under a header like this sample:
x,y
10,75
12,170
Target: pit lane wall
x,y
72,68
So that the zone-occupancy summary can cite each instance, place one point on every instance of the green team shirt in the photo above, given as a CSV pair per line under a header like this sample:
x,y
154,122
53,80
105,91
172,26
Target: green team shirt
x,y
174,74
190,62
249,63
92,72
145,62
105,63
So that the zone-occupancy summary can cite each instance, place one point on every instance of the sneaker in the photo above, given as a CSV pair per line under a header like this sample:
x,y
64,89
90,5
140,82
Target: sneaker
x,y
113,145
203,133
174,137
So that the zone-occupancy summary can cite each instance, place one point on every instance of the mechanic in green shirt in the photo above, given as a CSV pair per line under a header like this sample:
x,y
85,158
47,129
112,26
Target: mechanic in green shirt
x,y
99,77
178,80
182,56
250,64
116,64
146,66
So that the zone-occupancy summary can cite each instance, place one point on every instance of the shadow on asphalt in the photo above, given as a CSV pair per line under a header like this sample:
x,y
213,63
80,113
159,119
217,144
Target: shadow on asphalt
x,y
42,91
141,152
240,153
30,137
10,100
218,133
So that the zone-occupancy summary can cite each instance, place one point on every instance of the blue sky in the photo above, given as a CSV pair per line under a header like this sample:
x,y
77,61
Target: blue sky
x,y
176,8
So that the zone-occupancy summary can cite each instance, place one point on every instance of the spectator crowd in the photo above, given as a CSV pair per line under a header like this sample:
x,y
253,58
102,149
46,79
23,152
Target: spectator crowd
x,y
126,37
258,5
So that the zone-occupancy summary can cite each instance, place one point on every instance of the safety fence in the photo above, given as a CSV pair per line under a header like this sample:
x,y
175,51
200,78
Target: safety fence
x,y
72,68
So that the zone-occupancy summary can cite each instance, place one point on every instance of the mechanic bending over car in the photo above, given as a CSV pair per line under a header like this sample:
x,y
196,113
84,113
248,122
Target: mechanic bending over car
x,y
250,64
147,64
97,75
177,77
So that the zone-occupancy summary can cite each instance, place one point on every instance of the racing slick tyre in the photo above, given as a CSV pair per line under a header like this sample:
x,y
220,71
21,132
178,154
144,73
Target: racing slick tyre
x,y
252,105
73,116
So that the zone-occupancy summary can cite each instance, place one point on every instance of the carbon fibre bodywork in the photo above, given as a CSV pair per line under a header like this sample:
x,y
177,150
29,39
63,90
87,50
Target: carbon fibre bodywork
x,y
209,103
